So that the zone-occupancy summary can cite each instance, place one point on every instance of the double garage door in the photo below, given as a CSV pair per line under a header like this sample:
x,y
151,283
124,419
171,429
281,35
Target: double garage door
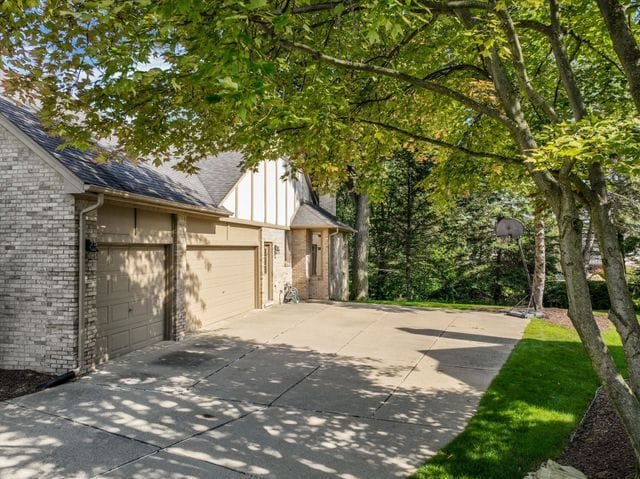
x,y
220,282
132,285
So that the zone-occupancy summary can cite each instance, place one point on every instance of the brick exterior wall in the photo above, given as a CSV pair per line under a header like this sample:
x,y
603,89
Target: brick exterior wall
x,y
308,286
38,263
319,285
281,270
90,286
178,312
300,261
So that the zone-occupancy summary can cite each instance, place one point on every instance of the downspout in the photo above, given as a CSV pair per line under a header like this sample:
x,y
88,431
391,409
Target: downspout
x,y
81,277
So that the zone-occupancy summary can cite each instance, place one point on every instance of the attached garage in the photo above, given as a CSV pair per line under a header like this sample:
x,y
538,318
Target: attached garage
x,y
131,292
159,276
220,282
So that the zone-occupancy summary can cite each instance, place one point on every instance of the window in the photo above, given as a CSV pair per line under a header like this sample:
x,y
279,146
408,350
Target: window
x,y
316,254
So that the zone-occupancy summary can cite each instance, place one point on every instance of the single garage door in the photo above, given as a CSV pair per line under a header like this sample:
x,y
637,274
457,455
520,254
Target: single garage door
x,y
130,299
220,282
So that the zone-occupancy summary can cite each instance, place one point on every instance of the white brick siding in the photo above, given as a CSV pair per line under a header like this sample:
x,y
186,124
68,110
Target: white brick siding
x,y
38,258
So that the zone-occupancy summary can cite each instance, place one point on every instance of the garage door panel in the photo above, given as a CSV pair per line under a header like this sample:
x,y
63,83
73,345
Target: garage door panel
x,y
220,282
103,316
142,334
102,286
117,259
138,309
228,286
119,341
233,294
118,313
131,295
118,283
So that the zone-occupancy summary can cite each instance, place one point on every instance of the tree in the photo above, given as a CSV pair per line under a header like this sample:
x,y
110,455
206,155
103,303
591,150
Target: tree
x,y
361,249
624,43
346,82
540,257
402,226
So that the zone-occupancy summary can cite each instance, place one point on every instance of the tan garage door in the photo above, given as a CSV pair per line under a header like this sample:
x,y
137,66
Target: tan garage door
x,y
130,299
221,282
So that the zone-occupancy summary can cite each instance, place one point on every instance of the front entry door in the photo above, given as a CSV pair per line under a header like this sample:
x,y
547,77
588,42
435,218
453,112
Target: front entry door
x,y
267,270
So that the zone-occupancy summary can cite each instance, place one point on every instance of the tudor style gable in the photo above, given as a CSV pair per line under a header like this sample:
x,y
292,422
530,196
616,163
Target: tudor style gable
x,y
268,194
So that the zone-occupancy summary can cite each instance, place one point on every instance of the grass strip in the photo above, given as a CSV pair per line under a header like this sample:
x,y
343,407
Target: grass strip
x,y
529,411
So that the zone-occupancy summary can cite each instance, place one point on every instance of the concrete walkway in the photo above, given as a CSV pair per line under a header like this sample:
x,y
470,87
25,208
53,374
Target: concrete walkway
x,y
295,391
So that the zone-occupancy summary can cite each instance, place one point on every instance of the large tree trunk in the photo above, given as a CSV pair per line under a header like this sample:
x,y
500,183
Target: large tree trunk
x,y
622,312
624,43
540,258
581,313
361,250
557,190
587,249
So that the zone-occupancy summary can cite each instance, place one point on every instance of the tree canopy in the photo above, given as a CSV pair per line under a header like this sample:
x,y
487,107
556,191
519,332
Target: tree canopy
x,y
491,89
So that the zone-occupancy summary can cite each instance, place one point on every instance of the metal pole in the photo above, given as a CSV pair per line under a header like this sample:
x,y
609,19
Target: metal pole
x,y
526,270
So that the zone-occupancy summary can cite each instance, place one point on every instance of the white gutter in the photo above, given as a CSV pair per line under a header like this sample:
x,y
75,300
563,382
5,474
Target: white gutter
x,y
174,205
81,276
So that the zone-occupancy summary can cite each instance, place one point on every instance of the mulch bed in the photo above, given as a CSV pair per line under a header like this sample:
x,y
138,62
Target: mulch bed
x,y
600,447
561,318
556,316
14,383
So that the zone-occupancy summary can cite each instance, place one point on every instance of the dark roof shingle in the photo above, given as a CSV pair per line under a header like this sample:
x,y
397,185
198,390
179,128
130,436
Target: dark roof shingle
x,y
140,178
310,215
220,173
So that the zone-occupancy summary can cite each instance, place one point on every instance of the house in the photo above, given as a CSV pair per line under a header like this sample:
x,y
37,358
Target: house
x,y
97,260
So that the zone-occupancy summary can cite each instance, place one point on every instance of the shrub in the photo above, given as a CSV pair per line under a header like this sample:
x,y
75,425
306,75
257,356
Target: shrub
x,y
555,294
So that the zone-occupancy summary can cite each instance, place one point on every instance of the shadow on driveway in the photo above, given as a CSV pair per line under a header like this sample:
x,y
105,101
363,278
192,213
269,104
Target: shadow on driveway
x,y
219,405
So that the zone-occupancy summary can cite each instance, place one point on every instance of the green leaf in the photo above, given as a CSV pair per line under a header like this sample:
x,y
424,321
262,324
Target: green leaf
x,y
257,4
213,98
228,83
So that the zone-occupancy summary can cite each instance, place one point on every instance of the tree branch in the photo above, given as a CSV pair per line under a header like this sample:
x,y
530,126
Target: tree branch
x,y
564,64
453,5
535,25
321,7
521,69
448,6
443,72
401,76
547,31
404,42
440,143
592,47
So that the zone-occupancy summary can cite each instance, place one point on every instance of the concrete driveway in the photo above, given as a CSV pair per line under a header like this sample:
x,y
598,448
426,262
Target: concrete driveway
x,y
295,391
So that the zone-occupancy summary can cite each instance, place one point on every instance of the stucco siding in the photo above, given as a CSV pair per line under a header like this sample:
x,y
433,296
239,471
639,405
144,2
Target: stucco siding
x,y
125,224
268,195
205,232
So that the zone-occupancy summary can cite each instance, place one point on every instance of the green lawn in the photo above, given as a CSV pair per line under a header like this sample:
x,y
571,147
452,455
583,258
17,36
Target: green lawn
x,y
528,412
